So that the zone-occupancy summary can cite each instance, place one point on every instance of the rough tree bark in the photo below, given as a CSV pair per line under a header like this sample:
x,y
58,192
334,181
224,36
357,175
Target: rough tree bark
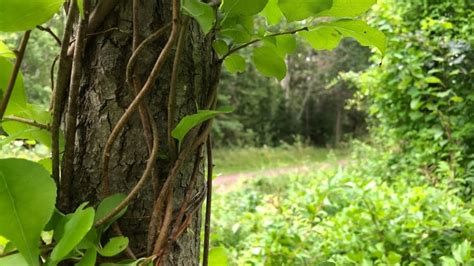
x,y
104,96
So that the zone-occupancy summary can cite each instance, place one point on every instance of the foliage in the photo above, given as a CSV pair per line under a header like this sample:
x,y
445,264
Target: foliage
x,y
421,99
343,217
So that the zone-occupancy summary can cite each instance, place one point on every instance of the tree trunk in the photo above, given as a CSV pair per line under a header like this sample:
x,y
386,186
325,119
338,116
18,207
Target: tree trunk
x,y
104,97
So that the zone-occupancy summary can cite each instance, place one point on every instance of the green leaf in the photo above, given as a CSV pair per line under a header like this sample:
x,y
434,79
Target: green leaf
x,y
447,261
286,44
114,246
5,51
21,15
232,8
234,63
15,259
202,12
462,252
238,29
272,12
220,47
218,257
295,10
75,230
190,121
326,36
268,62
27,198
108,204
348,8
433,80
18,96
89,258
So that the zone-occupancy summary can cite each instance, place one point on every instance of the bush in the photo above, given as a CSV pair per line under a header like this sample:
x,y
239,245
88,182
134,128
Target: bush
x,y
344,217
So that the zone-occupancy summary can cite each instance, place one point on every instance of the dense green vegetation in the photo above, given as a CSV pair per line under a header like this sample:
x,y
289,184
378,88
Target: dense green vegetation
x,y
349,216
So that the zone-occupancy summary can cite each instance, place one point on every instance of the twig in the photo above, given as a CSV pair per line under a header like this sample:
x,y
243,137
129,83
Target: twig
x,y
149,84
173,88
141,182
233,50
16,69
207,223
64,68
27,122
71,117
48,30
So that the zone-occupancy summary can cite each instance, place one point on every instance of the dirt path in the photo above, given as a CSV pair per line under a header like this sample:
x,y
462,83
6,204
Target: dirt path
x,y
230,181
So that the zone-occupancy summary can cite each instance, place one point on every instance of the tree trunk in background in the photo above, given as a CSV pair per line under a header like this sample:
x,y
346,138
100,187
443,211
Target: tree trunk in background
x,y
104,97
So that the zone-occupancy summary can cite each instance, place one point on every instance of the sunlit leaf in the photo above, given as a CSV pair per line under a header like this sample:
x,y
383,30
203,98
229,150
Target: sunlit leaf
x,y
235,63
21,15
326,36
348,8
5,51
27,198
295,10
190,121
89,258
75,230
114,246
18,96
242,7
272,12
218,257
268,62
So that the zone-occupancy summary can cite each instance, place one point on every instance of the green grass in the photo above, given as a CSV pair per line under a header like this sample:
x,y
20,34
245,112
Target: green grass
x,y
238,160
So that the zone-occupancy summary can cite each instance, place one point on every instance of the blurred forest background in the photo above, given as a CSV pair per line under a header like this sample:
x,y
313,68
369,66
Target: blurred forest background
x,y
353,159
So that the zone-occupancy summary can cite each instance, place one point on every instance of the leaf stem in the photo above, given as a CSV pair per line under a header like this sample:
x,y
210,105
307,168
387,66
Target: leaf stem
x,y
27,122
233,50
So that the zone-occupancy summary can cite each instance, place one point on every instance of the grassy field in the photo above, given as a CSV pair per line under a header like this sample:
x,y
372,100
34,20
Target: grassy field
x,y
240,160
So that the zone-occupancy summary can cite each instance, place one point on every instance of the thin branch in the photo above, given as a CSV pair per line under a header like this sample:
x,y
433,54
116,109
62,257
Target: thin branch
x,y
71,117
14,74
233,50
27,122
51,32
64,70
149,84
173,88
207,223
149,166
